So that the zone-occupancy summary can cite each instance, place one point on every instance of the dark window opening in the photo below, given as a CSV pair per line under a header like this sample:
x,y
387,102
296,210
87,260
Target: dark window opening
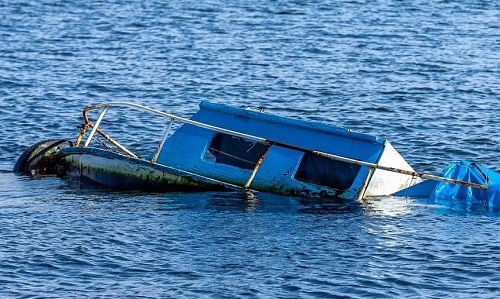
x,y
235,151
327,172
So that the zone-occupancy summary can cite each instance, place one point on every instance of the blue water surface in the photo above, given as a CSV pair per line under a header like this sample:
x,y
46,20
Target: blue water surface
x,y
423,74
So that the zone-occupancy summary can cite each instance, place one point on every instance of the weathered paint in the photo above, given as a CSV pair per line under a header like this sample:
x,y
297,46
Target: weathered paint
x,y
186,148
117,171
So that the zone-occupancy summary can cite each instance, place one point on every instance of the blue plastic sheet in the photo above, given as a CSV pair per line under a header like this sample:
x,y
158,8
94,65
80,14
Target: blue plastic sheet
x,y
494,196
463,171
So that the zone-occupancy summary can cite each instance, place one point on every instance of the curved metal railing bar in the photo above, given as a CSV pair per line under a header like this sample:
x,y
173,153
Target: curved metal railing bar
x,y
95,129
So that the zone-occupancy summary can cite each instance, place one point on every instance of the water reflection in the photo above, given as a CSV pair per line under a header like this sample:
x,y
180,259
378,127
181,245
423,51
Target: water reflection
x,y
406,206
460,207
246,201
249,201
389,206
328,206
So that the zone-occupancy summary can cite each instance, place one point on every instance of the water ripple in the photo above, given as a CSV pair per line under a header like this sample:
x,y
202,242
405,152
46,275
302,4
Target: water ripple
x,y
424,75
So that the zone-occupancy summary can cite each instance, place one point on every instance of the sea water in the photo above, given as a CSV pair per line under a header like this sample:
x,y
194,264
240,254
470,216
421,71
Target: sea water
x,y
423,74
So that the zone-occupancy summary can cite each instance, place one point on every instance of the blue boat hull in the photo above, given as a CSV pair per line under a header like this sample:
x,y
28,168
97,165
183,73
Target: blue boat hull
x,y
222,147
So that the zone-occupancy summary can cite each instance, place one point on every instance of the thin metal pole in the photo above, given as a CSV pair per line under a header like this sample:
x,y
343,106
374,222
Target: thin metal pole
x,y
257,166
401,171
165,136
178,118
368,178
95,126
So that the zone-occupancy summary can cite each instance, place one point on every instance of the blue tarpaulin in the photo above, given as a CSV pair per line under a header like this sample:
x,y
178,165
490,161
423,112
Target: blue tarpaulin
x,y
463,171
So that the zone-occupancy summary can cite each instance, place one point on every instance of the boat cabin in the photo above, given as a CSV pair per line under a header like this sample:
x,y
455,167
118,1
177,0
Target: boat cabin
x,y
289,161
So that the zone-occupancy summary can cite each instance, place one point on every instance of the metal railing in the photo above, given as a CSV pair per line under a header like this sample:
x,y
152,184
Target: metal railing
x,y
269,143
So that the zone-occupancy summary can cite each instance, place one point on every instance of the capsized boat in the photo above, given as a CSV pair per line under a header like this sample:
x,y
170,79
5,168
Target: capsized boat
x,y
223,147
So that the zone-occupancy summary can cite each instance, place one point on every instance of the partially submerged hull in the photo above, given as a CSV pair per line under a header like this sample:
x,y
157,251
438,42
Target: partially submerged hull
x,y
223,147
116,171
285,156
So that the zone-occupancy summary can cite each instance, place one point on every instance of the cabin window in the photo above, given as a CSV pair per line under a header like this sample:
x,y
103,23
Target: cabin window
x,y
235,151
327,172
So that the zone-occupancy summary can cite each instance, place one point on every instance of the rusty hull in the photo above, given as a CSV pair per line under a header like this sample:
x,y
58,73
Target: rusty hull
x,y
116,171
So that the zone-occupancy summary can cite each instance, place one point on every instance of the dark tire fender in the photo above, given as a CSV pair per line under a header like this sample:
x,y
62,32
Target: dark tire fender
x,y
40,157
